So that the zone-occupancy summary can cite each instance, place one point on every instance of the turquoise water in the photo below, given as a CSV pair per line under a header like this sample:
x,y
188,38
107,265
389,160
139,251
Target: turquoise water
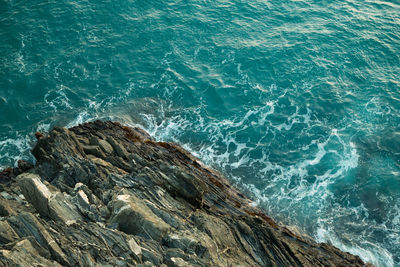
x,y
298,102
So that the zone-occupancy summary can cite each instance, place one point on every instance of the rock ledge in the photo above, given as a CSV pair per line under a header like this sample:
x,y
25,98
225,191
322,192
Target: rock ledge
x,y
103,194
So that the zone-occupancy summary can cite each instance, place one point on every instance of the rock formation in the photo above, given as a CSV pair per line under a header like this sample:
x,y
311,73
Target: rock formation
x,y
103,194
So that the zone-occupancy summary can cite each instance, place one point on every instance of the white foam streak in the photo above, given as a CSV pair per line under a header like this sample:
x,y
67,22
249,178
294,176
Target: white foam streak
x,y
14,149
287,187
57,98
81,118
377,255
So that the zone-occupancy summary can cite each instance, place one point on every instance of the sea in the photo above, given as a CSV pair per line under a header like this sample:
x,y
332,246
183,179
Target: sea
x,y
297,102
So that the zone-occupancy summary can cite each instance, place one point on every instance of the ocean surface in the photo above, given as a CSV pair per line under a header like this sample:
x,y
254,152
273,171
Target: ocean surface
x,y
297,102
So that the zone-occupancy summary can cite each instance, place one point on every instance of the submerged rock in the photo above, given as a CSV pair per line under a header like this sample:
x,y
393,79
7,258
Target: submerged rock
x,y
106,194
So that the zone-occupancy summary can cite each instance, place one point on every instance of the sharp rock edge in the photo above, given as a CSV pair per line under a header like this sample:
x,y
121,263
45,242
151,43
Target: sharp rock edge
x,y
103,194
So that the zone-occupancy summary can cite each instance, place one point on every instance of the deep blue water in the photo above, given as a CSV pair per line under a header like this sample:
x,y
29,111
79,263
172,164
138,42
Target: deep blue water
x,y
298,102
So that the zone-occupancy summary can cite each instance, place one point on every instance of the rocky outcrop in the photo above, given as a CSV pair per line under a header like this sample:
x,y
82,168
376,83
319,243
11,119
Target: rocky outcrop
x,y
102,194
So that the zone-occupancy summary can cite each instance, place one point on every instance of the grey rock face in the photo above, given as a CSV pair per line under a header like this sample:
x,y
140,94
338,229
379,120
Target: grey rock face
x,y
48,204
103,194
35,192
133,217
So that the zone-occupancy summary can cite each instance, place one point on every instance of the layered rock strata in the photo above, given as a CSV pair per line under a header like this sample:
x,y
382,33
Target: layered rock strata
x,y
103,194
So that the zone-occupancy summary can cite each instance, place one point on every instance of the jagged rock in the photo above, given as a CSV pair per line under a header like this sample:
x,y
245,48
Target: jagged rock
x,y
35,192
93,150
24,166
103,194
119,150
48,204
7,233
5,208
178,262
63,210
26,225
136,249
24,254
134,217
88,204
103,144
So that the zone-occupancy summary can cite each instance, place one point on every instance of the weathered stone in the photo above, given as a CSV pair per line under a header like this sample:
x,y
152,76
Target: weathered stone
x,y
7,234
155,205
151,257
93,150
24,254
45,202
180,241
178,262
106,146
5,208
63,210
136,249
119,149
86,203
6,195
134,217
24,166
26,225
87,260
93,140
35,192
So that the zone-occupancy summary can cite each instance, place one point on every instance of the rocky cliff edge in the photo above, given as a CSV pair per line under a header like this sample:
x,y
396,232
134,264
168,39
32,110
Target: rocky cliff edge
x,y
103,194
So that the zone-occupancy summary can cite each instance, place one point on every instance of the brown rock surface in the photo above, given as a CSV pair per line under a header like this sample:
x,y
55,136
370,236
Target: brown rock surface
x,y
103,194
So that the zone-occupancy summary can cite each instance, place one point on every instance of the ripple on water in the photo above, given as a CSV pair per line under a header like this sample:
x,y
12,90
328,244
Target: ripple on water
x,y
298,102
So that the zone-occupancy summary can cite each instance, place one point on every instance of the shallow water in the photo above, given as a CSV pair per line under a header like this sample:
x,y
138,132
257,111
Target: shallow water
x,y
298,102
